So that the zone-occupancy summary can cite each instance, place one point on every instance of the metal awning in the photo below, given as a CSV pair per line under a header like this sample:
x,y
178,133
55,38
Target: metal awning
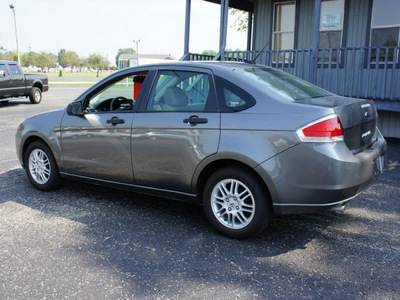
x,y
246,5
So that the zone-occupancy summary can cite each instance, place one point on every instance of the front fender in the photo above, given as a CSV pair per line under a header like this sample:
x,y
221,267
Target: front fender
x,y
45,127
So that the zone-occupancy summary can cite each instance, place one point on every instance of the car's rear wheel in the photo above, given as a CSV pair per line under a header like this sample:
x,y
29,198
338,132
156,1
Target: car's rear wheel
x,y
41,167
35,96
236,203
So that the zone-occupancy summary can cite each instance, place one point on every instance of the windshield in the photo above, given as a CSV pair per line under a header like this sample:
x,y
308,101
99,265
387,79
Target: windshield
x,y
285,84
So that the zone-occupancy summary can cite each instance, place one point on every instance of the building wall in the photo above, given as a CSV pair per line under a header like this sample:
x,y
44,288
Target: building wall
x,y
305,23
356,30
353,78
357,23
263,24
389,123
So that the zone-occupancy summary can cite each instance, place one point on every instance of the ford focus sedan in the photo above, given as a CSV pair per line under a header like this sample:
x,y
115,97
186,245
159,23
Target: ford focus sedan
x,y
245,141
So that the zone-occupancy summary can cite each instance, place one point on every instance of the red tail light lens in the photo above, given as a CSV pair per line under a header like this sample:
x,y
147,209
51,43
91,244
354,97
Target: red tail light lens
x,y
328,129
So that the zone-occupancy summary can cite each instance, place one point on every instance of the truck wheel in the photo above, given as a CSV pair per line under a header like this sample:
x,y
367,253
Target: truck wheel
x,y
35,96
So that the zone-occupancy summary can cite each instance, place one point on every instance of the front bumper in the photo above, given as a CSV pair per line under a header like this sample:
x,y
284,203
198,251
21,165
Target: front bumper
x,y
312,177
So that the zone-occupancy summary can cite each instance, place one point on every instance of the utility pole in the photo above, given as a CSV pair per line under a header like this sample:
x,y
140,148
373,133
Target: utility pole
x,y
16,35
137,50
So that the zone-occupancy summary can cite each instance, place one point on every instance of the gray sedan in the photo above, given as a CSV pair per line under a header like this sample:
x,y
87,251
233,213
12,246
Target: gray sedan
x,y
245,141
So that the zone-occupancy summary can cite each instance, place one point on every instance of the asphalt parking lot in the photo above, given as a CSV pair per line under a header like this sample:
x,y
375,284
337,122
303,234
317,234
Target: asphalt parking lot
x,y
88,242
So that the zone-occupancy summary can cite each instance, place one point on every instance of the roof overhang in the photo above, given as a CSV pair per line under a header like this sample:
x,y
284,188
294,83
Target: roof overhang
x,y
246,5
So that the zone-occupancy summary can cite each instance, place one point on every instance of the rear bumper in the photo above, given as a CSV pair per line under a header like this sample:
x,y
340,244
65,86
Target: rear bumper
x,y
313,177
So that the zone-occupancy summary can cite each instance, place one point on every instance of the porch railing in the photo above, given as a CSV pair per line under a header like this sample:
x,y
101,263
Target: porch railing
x,y
362,72
194,56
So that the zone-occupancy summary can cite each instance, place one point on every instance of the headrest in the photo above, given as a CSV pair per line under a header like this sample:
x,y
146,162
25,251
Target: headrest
x,y
175,97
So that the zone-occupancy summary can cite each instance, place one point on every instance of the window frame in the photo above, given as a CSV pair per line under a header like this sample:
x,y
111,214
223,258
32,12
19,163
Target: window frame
x,y
382,63
342,26
17,68
6,72
283,32
101,88
372,27
211,107
221,96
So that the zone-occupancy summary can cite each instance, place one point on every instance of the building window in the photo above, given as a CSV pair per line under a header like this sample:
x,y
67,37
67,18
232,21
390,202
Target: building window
x,y
385,26
331,24
284,19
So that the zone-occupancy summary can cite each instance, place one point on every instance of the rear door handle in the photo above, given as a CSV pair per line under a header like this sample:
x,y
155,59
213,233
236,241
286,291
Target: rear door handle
x,y
195,120
114,121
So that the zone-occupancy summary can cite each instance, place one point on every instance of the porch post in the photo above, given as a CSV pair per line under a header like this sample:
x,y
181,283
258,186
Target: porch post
x,y
249,30
223,28
315,41
187,31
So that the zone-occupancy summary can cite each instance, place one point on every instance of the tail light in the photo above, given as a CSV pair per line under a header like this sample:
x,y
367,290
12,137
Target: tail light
x,y
327,129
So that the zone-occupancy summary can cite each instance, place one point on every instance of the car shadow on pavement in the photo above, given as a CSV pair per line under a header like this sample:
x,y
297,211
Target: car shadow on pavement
x,y
13,103
163,247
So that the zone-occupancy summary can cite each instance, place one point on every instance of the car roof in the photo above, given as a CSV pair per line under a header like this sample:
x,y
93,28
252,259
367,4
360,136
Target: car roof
x,y
214,65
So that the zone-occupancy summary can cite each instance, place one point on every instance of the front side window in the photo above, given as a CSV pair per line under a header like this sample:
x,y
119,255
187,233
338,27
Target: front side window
x,y
15,70
120,96
3,70
180,91
331,24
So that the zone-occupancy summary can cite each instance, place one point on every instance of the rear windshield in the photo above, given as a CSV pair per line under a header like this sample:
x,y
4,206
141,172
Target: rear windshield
x,y
285,84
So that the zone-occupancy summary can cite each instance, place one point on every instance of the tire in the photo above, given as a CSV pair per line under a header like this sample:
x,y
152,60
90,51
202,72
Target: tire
x,y
236,203
41,168
35,96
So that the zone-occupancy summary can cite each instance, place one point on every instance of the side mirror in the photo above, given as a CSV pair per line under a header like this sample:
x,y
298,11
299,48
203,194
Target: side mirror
x,y
75,109
2,74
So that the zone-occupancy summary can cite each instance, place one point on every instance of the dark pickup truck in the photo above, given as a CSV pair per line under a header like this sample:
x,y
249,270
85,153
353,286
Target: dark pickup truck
x,y
14,83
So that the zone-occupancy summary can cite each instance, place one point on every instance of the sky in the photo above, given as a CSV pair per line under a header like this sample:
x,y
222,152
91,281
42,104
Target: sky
x,y
101,26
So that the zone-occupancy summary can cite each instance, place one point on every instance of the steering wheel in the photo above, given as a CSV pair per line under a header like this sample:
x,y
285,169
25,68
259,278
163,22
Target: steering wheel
x,y
117,101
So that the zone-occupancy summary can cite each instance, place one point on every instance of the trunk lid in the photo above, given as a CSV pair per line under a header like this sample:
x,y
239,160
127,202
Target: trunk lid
x,y
359,119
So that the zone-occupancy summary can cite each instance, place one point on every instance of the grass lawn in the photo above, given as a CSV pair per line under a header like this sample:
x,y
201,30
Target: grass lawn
x,y
74,74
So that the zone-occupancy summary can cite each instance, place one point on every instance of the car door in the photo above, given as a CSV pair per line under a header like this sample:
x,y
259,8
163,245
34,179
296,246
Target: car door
x,y
98,144
177,128
17,80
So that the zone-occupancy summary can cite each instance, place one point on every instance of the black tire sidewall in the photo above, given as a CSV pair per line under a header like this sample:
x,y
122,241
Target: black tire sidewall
x,y
263,211
55,180
32,95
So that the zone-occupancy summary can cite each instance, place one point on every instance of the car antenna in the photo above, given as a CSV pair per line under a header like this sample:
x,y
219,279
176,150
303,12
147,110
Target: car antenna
x,y
266,45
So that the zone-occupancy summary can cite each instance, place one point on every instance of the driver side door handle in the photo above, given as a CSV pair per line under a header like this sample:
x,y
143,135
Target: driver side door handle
x,y
195,120
114,121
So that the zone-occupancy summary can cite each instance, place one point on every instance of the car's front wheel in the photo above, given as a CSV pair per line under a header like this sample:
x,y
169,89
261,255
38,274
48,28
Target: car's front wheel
x,y
35,96
236,203
41,167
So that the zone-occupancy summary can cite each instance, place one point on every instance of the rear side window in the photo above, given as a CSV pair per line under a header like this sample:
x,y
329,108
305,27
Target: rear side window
x,y
231,97
14,70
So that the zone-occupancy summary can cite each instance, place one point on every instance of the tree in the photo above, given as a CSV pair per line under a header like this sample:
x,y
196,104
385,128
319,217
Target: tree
x,y
209,52
96,61
68,58
124,51
29,59
46,60
241,19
